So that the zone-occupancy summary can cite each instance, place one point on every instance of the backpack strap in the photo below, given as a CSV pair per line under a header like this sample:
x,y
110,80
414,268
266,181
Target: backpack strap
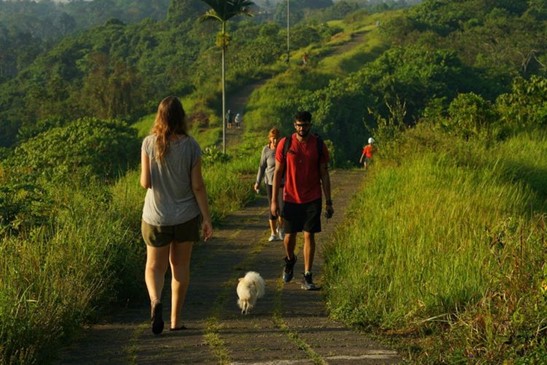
x,y
319,148
320,143
287,145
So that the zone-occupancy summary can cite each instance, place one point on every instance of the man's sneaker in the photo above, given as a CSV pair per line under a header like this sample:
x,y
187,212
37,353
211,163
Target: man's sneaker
x,y
307,283
288,272
273,237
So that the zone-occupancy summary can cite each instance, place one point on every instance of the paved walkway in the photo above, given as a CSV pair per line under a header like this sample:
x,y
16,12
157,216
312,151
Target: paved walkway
x,y
288,326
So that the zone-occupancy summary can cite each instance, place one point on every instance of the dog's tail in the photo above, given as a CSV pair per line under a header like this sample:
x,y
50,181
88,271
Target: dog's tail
x,y
244,305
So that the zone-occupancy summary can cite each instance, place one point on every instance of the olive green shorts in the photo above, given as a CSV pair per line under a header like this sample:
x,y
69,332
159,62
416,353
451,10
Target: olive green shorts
x,y
159,236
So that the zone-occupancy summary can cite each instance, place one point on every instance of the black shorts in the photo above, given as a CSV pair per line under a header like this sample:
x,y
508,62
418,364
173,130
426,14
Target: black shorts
x,y
302,217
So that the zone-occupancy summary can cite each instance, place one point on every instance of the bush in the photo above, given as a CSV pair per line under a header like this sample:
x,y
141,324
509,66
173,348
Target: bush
x,y
87,146
23,206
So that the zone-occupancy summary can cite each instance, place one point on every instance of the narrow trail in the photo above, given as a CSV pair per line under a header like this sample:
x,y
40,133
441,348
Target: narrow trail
x,y
288,326
237,102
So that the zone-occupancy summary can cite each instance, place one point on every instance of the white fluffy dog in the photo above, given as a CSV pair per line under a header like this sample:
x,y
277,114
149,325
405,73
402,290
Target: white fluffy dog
x,y
249,289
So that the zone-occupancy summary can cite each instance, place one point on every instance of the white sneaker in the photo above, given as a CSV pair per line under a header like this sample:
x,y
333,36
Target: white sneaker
x,y
273,237
281,234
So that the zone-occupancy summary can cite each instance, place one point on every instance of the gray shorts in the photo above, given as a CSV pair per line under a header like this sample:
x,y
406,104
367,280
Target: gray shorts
x,y
159,236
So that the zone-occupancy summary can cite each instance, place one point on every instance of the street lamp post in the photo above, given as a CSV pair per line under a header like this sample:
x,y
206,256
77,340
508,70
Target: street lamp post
x,y
288,32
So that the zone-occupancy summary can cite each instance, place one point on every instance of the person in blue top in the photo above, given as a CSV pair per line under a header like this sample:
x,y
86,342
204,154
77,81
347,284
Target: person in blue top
x,y
175,207
266,169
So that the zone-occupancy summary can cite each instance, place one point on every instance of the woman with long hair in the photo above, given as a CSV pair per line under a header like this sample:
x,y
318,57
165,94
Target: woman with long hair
x,y
175,208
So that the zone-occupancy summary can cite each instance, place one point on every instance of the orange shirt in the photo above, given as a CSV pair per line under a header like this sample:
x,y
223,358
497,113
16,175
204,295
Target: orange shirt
x,y
368,150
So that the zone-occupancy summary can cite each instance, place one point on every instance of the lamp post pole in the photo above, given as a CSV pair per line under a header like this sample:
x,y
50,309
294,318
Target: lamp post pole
x,y
288,32
223,118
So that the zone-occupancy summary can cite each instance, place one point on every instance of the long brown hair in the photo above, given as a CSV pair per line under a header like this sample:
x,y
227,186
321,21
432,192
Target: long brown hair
x,y
170,120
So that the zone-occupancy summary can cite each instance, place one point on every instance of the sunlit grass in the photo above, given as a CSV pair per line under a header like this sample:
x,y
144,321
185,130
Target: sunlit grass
x,y
361,43
335,58
57,276
144,125
439,235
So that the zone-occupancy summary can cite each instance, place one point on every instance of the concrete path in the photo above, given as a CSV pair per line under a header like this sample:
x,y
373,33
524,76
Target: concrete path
x,y
288,326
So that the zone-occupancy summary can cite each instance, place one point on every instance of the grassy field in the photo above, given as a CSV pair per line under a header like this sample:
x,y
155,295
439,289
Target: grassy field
x,y
448,245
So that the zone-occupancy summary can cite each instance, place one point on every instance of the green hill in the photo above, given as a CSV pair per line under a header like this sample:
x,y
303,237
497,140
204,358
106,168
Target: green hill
x,y
444,249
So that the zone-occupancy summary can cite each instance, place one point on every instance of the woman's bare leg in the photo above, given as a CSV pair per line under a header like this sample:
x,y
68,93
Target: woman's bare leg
x,y
157,261
180,268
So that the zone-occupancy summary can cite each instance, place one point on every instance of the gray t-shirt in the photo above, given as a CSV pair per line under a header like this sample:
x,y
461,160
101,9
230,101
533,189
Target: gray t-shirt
x,y
170,200
266,166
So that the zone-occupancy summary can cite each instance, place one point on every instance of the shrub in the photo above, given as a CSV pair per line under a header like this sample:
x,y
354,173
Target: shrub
x,y
102,148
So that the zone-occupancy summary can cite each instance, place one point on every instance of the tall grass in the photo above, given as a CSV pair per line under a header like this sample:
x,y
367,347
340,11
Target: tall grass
x,y
57,276
230,183
440,234
90,256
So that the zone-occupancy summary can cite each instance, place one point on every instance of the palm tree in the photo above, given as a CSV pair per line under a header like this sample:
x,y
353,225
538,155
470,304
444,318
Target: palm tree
x,y
222,11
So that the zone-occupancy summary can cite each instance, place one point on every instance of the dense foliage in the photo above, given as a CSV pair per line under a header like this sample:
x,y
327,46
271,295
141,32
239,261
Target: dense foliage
x,y
28,28
101,148
82,152
468,72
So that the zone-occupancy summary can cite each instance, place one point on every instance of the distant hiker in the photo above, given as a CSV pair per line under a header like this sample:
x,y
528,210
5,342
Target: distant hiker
x,y
228,120
237,120
266,169
175,207
302,159
368,151
305,59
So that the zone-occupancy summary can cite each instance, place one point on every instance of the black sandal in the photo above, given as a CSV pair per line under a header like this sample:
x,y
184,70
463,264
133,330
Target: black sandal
x,y
157,318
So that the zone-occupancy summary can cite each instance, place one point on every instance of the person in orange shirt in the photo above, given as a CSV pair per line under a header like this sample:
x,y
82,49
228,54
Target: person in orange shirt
x,y
368,151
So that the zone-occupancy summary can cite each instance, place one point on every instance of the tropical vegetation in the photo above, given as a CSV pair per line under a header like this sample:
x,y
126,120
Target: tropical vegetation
x,y
450,263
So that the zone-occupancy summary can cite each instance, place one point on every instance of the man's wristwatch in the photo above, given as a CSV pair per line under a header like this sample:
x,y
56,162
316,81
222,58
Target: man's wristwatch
x,y
329,203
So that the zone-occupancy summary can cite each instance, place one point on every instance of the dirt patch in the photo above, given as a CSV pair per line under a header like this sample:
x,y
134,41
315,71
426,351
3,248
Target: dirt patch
x,y
288,326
